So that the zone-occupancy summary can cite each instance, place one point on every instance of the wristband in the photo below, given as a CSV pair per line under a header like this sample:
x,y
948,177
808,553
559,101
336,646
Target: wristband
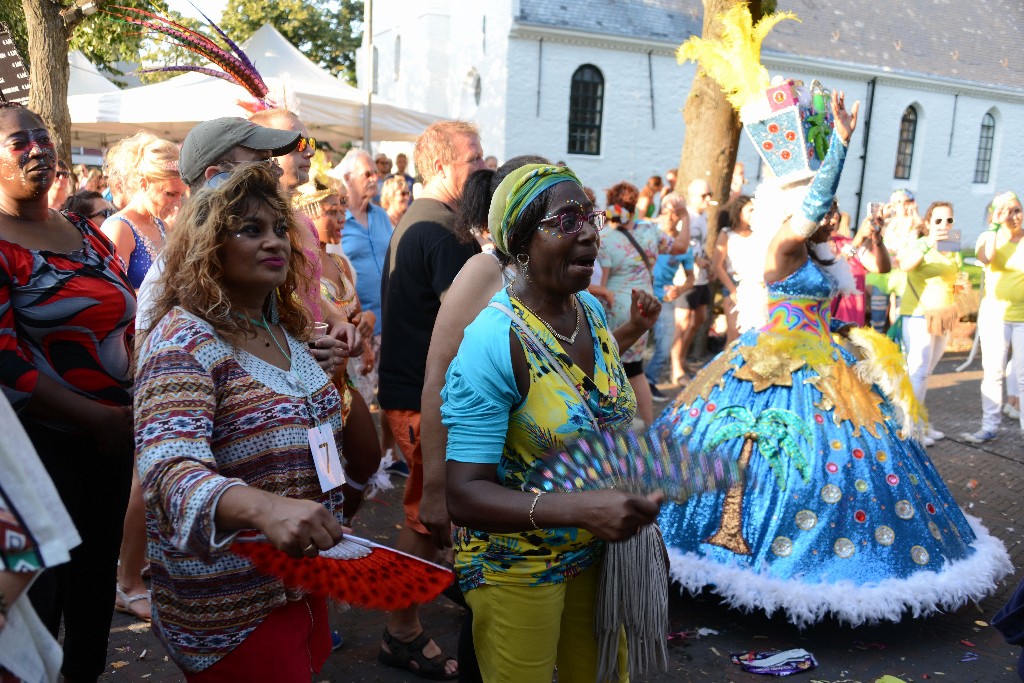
x,y
354,485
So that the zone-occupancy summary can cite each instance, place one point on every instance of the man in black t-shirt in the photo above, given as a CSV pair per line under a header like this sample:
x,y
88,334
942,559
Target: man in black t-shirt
x,y
422,260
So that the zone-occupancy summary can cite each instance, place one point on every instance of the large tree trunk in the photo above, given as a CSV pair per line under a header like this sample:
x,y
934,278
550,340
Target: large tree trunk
x,y
48,77
712,137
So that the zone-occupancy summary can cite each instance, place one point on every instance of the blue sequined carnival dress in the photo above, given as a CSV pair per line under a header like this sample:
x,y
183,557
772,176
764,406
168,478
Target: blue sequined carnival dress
x,y
840,510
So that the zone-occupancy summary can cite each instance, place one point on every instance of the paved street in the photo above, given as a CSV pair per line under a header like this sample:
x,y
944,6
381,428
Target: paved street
x,y
986,481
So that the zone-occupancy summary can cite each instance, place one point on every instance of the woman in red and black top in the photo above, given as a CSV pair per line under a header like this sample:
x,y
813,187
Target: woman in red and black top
x,y
66,319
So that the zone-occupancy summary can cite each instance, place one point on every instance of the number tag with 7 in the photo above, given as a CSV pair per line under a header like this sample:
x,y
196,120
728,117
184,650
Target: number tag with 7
x,y
325,457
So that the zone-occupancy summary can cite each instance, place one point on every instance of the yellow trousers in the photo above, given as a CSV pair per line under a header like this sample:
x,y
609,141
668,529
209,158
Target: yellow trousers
x,y
521,632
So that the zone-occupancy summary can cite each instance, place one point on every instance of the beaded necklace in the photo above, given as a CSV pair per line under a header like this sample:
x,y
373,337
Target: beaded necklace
x,y
570,339
263,324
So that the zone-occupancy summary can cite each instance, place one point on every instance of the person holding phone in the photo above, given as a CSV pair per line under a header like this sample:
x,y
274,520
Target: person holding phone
x,y
927,311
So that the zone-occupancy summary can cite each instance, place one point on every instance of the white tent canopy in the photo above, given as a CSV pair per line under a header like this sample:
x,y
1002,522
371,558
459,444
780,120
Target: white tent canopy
x,y
85,77
330,108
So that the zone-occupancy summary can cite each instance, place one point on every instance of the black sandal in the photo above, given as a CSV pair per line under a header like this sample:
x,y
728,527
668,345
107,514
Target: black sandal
x,y
409,656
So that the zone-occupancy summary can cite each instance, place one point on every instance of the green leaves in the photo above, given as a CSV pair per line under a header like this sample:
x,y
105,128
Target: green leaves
x,y
326,31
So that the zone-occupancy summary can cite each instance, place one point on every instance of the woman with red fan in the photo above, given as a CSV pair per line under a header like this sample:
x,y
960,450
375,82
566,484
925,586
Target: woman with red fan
x,y
229,404
537,367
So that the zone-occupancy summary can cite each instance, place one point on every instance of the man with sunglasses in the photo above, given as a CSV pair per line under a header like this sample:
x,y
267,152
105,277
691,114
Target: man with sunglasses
x,y
422,260
401,164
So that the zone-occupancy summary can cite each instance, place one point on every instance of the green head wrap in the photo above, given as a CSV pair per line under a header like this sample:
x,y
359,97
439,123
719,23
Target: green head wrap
x,y
516,192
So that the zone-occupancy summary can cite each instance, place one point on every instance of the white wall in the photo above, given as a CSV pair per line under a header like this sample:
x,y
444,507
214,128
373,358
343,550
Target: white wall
x,y
443,43
631,149
443,46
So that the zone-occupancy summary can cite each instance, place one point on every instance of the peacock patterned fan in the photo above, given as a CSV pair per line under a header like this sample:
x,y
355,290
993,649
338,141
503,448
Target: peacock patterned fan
x,y
357,571
236,66
638,462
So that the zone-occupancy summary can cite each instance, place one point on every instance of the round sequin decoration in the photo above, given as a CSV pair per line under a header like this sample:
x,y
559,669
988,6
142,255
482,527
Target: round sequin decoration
x,y
860,516
831,494
774,127
806,520
832,467
881,456
934,528
844,547
791,135
818,418
919,555
913,479
782,546
768,145
861,485
885,535
930,508
858,453
786,155
710,407
694,412
687,430
904,510
892,479
837,445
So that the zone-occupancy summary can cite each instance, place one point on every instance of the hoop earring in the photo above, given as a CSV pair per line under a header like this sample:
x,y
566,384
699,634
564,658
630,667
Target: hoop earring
x,y
523,261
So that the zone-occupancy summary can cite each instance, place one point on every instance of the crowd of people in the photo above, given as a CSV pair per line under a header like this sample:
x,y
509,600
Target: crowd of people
x,y
197,350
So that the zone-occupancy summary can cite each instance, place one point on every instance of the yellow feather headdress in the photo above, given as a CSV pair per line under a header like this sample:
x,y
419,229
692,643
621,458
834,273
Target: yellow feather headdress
x,y
734,61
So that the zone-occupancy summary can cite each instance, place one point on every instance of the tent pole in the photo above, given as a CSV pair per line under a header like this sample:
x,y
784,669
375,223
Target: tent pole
x,y
370,67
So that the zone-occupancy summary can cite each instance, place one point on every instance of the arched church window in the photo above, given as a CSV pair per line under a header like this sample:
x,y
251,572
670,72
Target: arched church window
x,y
905,149
983,164
586,102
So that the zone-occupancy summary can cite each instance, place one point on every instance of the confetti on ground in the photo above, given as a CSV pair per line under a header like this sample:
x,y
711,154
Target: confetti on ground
x,y
969,657
981,623
707,632
967,643
118,664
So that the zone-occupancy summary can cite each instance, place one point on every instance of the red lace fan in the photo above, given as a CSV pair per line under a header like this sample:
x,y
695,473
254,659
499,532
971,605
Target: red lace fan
x,y
356,571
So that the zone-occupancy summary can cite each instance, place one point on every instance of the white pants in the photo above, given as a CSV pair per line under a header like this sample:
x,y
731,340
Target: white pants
x,y
1014,335
923,352
994,344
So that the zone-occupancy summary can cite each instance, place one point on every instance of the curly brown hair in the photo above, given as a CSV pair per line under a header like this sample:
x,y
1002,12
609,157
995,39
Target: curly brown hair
x,y
624,194
193,273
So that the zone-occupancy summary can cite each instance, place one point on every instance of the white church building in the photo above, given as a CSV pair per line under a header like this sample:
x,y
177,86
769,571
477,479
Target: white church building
x,y
595,83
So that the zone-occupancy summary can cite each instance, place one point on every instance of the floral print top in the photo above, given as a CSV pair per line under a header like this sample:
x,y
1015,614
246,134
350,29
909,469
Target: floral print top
x,y
488,422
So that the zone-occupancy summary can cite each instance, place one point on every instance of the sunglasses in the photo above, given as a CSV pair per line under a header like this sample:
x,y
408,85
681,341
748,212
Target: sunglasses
x,y
405,193
106,213
306,143
939,221
216,181
570,222
368,174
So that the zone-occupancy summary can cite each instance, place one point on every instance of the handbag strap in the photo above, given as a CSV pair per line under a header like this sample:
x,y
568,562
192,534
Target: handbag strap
x,y
544,351
639,250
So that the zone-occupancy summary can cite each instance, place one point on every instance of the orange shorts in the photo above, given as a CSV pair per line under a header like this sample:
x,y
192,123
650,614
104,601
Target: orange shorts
x,y
405,425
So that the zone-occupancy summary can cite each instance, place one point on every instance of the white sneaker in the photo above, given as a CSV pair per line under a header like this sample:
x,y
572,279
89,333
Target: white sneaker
x,y
1011,412
934,435
928,441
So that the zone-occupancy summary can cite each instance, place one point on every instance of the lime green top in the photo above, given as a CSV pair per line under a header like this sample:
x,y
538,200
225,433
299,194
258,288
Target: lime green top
x,y
930,285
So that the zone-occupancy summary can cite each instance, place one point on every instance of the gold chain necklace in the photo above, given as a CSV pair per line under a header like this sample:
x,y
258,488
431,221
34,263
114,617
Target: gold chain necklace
x,y
570,339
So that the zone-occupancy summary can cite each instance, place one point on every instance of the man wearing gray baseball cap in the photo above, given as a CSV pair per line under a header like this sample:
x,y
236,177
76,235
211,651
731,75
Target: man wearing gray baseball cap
x,y
216,146
211,149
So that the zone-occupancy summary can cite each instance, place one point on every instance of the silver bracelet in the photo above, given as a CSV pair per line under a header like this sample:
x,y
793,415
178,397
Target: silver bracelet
x,y
534,507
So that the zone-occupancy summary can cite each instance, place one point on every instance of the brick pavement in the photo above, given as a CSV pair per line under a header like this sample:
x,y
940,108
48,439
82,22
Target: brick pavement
x,y
986,481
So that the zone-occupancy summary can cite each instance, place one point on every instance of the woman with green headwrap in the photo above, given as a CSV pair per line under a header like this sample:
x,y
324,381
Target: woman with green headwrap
x,y
537,367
